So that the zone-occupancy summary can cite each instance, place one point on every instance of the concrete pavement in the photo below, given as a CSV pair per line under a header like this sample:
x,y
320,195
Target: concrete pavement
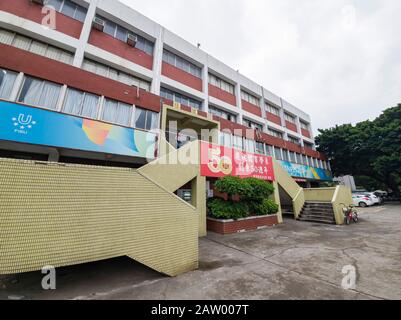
x,y
296,260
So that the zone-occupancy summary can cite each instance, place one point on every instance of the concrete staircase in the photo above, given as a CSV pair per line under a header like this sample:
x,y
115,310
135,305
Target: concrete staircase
x,y
320,212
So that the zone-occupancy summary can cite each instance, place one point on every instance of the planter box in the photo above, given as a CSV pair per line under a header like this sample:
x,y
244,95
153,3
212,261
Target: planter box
x,y
241,225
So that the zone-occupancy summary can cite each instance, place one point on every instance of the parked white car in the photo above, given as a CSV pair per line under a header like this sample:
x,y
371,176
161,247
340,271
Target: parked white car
x,y
374,198
361,200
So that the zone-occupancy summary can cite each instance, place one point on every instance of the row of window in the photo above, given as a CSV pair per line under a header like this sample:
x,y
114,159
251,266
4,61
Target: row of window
x,y
52,52
293,140
69,8
220,83
111,73
252,125
272,109
47,94
304,125
231,141
275,133
179,98
34,46
223,114
122,33
181,63
249,98
289,118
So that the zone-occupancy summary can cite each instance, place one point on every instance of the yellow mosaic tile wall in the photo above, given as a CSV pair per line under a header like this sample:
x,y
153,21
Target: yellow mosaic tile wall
x,y
60,215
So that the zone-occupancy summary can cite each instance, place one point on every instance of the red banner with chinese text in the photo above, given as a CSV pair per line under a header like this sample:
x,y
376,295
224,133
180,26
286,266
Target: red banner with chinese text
x,y
219,161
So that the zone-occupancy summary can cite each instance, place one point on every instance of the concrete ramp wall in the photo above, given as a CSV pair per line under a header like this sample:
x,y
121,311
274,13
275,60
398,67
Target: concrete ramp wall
x,y
60,215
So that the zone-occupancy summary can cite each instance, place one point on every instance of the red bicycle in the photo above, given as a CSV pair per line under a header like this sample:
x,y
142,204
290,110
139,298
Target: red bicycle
x,y
350,214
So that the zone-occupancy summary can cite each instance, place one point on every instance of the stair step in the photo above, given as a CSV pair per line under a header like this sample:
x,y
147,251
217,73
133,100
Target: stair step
x,y
314,216
318,206
318,209
317,220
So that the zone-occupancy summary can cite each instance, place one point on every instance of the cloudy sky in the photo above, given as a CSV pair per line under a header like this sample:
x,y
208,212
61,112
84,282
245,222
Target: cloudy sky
x,y
339,60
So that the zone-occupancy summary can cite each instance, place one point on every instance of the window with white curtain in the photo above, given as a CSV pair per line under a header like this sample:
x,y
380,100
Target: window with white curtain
x,y
81,103
304,125
275,133
117,112
292,157
226,139
289,118
181,63
277,153
260,148
40,93
272,109
34,46
285,155
177,97
146,119
249,98
250,146
238,142
220,83
223,114
7,80
111,73
269,150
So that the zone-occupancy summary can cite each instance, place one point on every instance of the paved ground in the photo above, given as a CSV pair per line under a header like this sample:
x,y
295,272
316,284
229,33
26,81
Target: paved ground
x,y
296,260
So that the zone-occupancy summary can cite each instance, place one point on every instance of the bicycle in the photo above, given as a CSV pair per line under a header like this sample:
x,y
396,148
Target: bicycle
x,y
350,214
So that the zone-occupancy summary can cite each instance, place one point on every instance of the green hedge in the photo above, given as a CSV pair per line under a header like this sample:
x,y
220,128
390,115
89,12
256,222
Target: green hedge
x,y
253,194
221,209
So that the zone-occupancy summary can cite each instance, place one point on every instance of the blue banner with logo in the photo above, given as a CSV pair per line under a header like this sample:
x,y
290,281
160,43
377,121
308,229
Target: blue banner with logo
x,y
43,127
306,172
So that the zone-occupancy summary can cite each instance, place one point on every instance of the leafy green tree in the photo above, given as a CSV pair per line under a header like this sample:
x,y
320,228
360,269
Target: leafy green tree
x,y
370,149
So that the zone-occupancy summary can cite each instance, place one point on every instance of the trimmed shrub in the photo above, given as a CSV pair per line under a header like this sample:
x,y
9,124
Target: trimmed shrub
x,y
273,207
266,207
253,194
260,189
221,209
233,186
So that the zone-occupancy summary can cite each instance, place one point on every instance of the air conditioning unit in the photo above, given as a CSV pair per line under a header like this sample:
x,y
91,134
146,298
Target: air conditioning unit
x,y
98,24
41,2
132,40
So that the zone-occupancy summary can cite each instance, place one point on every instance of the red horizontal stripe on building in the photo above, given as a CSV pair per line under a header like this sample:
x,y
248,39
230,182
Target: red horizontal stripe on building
x,y
273,118
222,95
181,76
306,133
119,48
251,108
32,11
291,126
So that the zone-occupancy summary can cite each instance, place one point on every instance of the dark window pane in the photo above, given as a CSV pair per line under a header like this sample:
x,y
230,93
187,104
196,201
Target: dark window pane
x,y
68,9
149,48
27,84
80,14
110,28
121,33
2,76
56,4
140,117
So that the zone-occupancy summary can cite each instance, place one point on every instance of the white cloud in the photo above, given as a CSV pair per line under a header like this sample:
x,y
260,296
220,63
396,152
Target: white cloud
x,y
337,60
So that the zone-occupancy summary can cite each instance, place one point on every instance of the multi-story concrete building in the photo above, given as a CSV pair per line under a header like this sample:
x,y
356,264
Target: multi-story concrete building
x,y
92,82
123,64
